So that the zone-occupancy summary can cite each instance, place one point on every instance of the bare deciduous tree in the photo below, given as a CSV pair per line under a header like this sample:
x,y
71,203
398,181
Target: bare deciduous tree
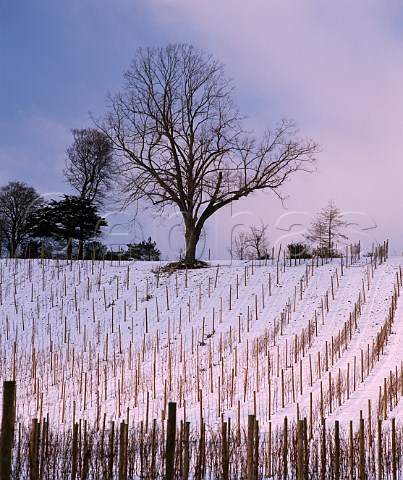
x,y
258,241
17,202
90,166
239,247
251,244
181,142
325,229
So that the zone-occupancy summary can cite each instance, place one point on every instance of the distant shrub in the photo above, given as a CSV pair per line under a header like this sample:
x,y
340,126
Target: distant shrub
x,y
95,250
146,250
299,250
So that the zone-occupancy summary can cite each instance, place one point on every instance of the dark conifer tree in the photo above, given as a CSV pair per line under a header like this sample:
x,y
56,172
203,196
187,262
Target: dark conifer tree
x,y
145,250
69,219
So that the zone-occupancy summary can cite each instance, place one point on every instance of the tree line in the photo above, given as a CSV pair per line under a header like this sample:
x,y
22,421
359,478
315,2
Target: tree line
x,y
172,136
31,227
28,223
321,238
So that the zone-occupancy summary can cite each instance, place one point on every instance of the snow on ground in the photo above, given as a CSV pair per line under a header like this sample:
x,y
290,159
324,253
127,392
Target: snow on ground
x,y
102,341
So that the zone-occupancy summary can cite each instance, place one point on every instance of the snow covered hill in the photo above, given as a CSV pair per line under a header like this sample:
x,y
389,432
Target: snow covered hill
x,y
102,341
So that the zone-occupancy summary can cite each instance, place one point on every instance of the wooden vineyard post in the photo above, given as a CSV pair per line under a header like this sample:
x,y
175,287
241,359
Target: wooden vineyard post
x,y
111,450
170,443
310,415
269,395
123,451
321,401
225,460
306,448
74,452
351,448
323,451
282,389
380,450
300,378
256,453
362,450
86,454
153,448
251,432
394,459
269,472
185,473
34,450
7,429
285,449
336,450
202,451
300,450
216,277
44,447
238,431
180,450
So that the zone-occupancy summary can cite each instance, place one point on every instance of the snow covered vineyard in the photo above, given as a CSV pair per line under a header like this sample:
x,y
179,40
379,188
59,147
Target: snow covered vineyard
x,y
98,342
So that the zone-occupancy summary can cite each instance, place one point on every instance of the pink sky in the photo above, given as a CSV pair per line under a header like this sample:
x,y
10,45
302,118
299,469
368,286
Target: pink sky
x,y
336,68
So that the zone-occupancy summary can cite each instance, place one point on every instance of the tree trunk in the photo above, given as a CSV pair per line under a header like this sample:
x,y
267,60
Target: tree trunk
x,y
69,249
12,248
81,249
191,237
329,242
81,243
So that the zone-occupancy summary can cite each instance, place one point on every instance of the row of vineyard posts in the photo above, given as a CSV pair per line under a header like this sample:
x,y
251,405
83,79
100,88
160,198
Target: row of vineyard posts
x,y
289,451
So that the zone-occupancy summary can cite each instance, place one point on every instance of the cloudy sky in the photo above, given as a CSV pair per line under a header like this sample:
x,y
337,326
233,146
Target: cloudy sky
x,y
334,67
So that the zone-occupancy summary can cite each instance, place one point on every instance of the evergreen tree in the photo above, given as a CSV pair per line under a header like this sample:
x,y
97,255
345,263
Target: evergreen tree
x,y
145,250
95,250
298,250
69,219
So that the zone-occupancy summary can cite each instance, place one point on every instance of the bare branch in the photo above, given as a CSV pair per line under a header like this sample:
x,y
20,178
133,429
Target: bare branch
x,y
90,167
180,140
326,229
